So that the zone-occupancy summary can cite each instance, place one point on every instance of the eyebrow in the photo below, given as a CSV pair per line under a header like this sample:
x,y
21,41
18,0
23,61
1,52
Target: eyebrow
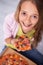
x,y
36,14
33,13
24,10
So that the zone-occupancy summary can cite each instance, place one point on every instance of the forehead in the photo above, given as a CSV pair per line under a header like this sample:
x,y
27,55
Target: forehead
x,y
29,7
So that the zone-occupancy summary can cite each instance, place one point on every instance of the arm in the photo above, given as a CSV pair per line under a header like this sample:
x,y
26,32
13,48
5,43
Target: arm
x,y
8,40
8,27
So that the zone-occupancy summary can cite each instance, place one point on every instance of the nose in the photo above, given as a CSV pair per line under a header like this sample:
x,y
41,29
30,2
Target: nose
x,y
27,20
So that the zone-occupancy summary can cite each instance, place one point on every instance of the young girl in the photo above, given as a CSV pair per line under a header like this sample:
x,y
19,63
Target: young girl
x,y
28,18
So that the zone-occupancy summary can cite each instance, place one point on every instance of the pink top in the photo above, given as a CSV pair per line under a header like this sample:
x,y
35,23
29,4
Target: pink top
x,y
10,26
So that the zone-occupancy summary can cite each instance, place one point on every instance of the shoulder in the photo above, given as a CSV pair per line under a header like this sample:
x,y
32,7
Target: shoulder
x,y
10,26
9,19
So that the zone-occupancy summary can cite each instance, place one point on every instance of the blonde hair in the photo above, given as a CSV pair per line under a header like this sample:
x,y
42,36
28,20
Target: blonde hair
x,y
39,25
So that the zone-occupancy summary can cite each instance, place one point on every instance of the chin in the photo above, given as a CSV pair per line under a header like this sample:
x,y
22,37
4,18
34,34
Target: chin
x,y
24,31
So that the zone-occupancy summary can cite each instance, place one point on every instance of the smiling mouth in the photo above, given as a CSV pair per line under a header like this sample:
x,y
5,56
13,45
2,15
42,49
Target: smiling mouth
x,y
27,25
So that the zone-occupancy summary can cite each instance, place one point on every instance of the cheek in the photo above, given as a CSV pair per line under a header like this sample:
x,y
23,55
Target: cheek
x,y
34,23
21,18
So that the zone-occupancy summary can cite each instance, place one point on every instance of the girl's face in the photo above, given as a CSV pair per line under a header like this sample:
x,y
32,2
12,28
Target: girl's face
x,y
28,16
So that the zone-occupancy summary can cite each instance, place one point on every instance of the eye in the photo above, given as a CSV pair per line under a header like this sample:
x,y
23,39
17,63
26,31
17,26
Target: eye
x,y
23,13
35,16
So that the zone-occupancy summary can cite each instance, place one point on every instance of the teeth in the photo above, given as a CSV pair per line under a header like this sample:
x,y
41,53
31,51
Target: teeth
x,y
30,25
27,25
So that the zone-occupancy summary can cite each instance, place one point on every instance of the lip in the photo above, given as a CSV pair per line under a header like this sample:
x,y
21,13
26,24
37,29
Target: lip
x,y
26,25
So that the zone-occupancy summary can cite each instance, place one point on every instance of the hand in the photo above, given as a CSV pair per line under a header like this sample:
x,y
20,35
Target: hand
x,y
21,45
14,42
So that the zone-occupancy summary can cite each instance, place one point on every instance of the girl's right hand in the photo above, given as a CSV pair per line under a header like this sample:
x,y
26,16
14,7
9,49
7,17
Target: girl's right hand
x,y
13,42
